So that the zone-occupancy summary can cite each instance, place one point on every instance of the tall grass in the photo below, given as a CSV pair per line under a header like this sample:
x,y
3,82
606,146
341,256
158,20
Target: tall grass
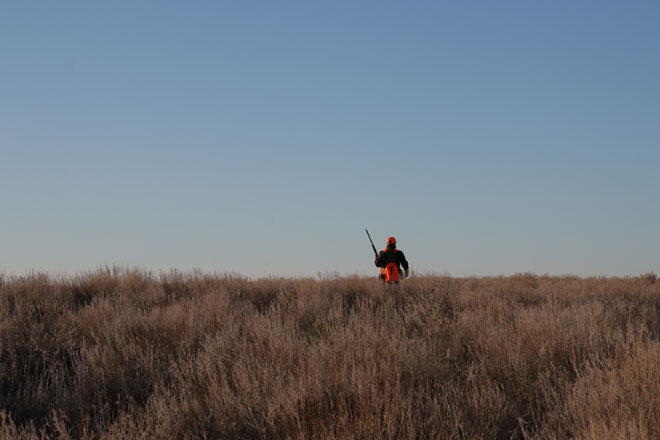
x,y
116,354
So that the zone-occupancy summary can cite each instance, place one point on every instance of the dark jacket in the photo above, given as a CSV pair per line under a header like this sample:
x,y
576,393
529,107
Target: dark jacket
x,y
387,256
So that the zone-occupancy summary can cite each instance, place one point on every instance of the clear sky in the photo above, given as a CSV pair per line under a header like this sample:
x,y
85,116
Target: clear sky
x,y
262,137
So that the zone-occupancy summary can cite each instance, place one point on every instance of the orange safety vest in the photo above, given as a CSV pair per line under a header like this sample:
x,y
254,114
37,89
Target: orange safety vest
x,y
391,271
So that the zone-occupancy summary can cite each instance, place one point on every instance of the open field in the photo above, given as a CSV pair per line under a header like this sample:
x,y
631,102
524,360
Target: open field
x,y
116,354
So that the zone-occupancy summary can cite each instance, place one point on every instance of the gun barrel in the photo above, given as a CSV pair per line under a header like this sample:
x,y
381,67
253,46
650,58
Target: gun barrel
x,y
372,243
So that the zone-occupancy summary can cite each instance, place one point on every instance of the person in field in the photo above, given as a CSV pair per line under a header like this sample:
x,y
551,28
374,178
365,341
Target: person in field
x,y
390,260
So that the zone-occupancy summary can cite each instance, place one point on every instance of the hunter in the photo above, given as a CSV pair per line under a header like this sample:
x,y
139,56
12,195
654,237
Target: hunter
x,y
390,261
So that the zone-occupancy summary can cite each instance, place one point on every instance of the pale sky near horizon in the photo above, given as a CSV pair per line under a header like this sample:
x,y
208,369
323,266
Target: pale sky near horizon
x,y
263,137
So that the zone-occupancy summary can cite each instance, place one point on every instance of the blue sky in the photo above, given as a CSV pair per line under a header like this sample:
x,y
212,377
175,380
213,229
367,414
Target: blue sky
x,y
263,137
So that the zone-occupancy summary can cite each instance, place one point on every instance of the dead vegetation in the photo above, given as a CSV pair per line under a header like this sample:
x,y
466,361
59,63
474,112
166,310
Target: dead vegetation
x,y
117,354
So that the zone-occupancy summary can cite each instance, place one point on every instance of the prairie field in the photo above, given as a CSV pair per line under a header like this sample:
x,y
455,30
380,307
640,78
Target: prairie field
x,y
119,353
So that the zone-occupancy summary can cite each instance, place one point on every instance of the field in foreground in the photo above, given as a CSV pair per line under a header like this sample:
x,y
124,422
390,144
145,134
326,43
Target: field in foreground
x,y
117,354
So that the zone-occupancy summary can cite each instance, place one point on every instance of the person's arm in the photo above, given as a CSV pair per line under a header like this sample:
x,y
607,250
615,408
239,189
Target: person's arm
x,y
378,259
403,261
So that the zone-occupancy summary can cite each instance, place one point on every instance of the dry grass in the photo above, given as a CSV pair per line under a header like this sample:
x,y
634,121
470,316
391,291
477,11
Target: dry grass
x,y
115,354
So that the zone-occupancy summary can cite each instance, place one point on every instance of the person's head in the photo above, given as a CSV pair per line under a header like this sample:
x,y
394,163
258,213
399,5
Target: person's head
x,y
391,243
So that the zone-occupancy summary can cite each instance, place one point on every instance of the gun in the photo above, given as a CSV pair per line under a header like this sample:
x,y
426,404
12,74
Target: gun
x,y
372,243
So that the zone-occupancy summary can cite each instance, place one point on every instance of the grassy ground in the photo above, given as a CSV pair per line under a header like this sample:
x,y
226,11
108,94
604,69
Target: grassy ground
x,y
116,354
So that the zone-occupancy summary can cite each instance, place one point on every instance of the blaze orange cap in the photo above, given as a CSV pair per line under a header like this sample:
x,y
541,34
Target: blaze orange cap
x,y
391,240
